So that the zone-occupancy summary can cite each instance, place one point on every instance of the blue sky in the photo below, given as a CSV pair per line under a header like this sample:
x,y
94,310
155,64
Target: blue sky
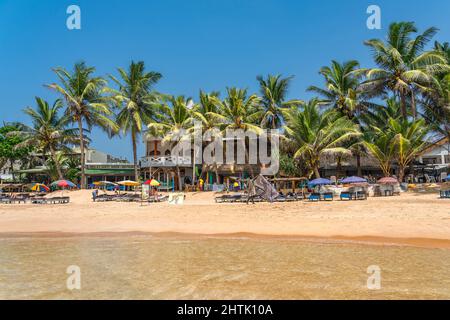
x,y
208,44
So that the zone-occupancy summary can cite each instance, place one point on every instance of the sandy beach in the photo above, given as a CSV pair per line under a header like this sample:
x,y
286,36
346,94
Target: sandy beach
x,y
413,219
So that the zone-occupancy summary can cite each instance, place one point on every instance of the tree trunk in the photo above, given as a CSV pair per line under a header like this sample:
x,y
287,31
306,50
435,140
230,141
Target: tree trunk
x,y
180,186
11,166
358,164
136,170
403,105
401,173
316,171
57,164
82,156
249,166
413,105
338,167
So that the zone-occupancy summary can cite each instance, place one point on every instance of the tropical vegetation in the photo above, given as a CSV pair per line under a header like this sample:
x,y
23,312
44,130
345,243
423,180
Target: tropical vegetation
x,y
390,111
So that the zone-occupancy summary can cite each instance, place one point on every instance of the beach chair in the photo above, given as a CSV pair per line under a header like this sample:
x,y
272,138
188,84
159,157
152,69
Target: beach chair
x,y
328,196
361,195
314,197
346,196
445,194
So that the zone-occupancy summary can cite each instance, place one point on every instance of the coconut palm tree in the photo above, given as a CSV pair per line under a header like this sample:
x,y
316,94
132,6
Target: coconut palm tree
x,y
173,121
317,133
239,111
205,113
135,101
85,103
380,145
49,131
341,90
409,140
274,90
404,67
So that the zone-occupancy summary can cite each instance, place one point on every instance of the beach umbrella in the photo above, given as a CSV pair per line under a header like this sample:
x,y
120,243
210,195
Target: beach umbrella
x,y
105,183
153,183
448,178
320,182
63,184
388,180
128,183
39,187
352,180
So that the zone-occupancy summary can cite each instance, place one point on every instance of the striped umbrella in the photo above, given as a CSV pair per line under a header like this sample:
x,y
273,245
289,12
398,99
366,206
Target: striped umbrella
x,y
153,183
388,180
39,187
63,184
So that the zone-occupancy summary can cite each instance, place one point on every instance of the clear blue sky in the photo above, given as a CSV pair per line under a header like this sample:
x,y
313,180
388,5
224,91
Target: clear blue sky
x,y
208,44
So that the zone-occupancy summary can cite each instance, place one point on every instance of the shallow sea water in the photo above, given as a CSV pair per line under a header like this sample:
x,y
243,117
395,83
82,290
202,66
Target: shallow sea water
x,y
151,267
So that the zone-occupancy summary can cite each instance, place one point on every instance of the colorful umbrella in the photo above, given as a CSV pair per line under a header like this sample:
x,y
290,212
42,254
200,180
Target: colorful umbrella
x,y
105,183
352,180
63,184
388,180
320,182
153,183
39,187
128,183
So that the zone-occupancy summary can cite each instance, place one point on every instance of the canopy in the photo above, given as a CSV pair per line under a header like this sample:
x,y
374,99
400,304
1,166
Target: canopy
x,y
63,184
39,187
153,183
320,182
128,183
388,180
350,180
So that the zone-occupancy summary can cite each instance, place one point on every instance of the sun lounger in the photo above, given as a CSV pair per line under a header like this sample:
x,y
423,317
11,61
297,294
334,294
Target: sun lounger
x,y
230,198
346,196
314,197
328,196
445,194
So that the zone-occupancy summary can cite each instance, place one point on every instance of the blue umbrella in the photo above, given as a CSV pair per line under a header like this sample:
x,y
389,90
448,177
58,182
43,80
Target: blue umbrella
x,y
448,178
350,180
320,182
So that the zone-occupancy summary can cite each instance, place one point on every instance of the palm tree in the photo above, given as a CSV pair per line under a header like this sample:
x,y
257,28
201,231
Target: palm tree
x,y
316,133
341,90
382,147
49,132
274,90
85,104
409,141
205,112
403,66
173,122
238,111
135,101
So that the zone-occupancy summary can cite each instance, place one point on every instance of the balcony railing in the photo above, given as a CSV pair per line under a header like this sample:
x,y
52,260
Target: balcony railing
x,y
169,161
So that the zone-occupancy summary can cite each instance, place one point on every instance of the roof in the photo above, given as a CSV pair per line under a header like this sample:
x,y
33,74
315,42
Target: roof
x,y
109,172
433,145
